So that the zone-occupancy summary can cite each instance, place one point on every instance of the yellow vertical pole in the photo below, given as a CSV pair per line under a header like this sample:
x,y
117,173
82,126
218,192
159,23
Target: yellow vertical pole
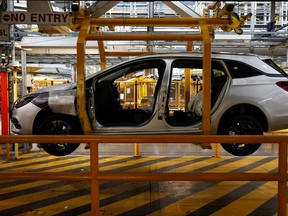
x,y
16,150
206,92
136,150
216,150
178,93
15,85
136,145
187,80
135,94
7,151
125,94
81,77
102,54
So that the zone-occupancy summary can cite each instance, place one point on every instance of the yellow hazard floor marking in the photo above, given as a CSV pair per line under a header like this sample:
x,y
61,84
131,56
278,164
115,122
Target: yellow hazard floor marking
x,y
255,198
250,201
198,200
67,160
66,205
114,190
239,163
33,197
62,206
48,164
23,186
7,164
146,197
210,161
190,167
128,163
179,208
130,203
85,200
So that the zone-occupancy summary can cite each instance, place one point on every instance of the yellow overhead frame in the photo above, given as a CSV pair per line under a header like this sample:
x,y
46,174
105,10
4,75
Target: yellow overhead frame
x,y
80,20
85,35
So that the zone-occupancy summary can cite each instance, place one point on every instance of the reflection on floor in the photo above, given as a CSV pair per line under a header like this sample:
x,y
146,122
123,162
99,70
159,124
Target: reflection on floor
x,y
170,149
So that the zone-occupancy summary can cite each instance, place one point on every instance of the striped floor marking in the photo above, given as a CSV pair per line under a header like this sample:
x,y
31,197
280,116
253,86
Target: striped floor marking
x,y
141,198
177,195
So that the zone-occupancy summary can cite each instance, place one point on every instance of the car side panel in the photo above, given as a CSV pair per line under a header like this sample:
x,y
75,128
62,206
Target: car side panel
x,y
262,93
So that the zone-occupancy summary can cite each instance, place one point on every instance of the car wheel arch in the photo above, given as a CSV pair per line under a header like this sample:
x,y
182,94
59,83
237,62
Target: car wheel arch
x,y
247,109
48,112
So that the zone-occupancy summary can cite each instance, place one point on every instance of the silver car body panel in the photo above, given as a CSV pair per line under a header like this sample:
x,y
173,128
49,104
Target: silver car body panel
x,y
62,102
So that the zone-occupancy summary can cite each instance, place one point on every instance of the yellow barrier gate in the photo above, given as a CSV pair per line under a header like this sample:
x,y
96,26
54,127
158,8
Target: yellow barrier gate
x,y
94,176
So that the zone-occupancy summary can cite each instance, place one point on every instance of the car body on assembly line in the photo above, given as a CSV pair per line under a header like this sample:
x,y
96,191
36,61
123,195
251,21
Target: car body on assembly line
x,y
145,95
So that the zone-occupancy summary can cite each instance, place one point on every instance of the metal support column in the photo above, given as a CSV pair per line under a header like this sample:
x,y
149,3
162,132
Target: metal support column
x,y
5,109
81,77
206,92
24,72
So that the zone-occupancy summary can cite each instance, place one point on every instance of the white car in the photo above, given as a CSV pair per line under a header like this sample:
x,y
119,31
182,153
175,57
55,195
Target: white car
x,y
248,97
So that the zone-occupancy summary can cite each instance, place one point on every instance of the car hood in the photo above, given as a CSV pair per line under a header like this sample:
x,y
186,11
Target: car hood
x,y
56,88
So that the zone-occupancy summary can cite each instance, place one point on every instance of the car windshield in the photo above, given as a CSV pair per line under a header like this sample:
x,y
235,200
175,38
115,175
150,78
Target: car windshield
x,y
275,66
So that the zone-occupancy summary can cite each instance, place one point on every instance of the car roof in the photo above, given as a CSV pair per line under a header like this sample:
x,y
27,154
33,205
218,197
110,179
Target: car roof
x,y
249,58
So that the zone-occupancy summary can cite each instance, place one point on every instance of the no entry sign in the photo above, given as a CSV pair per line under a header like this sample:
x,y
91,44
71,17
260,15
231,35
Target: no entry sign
x,y
8,17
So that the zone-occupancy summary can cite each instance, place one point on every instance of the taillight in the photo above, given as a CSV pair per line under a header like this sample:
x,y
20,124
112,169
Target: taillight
x,y
283,85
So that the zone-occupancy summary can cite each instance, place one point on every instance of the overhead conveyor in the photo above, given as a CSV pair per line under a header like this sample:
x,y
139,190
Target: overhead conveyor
x,y
89,31
84,36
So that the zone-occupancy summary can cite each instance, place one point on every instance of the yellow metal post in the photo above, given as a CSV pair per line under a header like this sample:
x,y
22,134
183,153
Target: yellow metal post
x,y
187,79
7,151
15,85
216,150
102,54
178,92
136,145
81,77
136,150
206,92
135,94
16,151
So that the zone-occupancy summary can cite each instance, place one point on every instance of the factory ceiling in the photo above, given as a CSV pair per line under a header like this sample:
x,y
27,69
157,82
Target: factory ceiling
x,y
48,44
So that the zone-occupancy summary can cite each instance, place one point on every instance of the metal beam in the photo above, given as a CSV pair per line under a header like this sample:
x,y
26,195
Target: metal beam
x,y
178,22
101,7
182,9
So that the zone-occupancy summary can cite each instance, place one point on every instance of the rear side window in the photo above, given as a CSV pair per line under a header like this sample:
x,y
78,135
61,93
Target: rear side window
x,y
275,66
241,70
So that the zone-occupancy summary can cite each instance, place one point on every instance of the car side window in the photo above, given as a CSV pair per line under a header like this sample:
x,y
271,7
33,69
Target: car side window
x,y
241,70
126,96
184,106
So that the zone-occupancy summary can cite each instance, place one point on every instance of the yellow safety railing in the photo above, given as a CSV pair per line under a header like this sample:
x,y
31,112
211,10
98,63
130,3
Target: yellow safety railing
x,y
95,176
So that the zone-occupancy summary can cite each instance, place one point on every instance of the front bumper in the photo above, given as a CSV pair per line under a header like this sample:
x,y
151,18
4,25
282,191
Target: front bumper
x,y
22,119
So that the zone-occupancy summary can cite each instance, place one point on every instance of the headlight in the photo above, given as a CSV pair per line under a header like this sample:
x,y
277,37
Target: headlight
x,y
22,101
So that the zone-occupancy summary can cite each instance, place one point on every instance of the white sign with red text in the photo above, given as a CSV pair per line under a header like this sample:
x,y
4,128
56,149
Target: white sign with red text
x,y
59,18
